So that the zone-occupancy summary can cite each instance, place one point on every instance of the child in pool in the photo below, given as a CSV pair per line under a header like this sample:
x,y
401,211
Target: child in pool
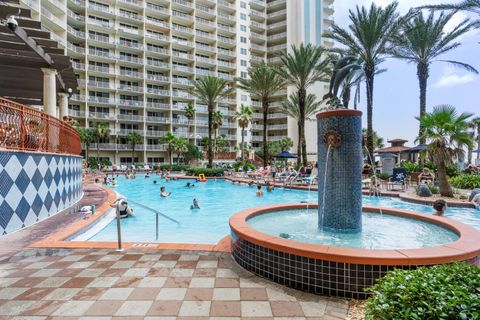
x,y
195,204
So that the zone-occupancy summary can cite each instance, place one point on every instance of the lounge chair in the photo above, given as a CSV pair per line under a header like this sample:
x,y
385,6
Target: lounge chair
x,y
399,179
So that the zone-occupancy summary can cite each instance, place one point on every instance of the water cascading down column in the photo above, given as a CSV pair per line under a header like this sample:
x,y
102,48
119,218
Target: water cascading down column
x,y
340,170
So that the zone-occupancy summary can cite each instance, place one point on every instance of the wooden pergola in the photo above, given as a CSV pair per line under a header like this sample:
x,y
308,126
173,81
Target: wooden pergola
x,y
24,51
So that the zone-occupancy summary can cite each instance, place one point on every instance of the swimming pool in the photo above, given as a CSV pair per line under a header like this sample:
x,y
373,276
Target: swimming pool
x,y
218,199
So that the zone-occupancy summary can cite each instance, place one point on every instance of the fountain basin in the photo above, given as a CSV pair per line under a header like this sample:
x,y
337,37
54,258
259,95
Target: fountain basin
x,y
340,271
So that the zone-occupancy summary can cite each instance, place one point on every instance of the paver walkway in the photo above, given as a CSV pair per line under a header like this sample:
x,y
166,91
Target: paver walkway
x,y
104,284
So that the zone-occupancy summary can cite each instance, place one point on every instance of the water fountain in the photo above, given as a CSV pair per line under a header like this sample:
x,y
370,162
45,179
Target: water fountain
x,y
334,253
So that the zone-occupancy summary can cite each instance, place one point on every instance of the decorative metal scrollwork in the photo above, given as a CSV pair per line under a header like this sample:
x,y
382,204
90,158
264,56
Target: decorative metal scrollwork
x,y
332,138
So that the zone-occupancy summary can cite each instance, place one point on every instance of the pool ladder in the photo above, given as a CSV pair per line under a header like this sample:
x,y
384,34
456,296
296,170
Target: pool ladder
x,y
157,214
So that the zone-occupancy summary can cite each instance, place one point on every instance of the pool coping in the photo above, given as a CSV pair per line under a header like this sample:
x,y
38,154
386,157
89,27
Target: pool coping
x,y
465,248
59,239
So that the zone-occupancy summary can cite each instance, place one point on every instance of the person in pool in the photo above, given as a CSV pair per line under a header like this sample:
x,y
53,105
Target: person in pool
x,y
440,206
270,187
189,185
163,193
195,204
259,192
154,181
124,210
476,201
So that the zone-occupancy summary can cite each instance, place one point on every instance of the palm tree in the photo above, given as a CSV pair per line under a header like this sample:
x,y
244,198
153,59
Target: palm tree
x,y
446,134
244,117
285,144
133,139
179,146
262,82
86,137
217,122
466,5
422,41
291,107
169,140
190,111
100,131
209,90
476,125
378,141
303,67
368,37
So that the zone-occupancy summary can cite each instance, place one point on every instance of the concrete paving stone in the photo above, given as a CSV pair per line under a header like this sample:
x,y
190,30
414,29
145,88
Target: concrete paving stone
x,y
43,308
11,293
15,307
144,294
199,294
286,309
226,273
164,308
62,294
195,309
152,282
226,294
81,264
165,264
45,272
136,272
116,294
134,308
92,272
103,282
171,294
225,309
53,282
104,308
150,257
181,273
256,309
202,283
279,295
313,309
73,308
123,264
188,257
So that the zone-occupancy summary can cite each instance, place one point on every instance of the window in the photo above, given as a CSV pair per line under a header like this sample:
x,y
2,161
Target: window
x,y
243,16
243,63
243,39
243,4
243,51
243,74
243,28
243,97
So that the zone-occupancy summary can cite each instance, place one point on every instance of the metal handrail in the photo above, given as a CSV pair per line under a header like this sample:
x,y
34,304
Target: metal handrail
x,y
157,213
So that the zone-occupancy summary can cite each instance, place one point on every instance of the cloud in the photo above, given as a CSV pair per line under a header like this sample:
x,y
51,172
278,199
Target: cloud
x,y
449,79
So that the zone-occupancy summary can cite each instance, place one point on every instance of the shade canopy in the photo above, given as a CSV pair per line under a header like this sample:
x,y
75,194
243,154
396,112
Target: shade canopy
x,y
24,51
285,155
418,148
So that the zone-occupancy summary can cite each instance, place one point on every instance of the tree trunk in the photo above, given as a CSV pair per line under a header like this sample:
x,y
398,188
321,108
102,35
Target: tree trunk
x,y
346,96
369,79
302,94
299,147
469,156
214,142
265,125
242,145
445,188
170,157
133,152
87,146
98,152
478,141
210,142
422,74
304,146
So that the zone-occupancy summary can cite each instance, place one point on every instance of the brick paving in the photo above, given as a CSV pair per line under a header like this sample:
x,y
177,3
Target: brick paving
x,y
103,284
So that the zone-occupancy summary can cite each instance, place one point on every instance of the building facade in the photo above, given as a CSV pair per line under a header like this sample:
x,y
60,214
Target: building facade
x,y
135,60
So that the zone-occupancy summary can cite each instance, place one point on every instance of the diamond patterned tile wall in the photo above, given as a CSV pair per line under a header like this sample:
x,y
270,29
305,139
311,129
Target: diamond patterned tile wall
x,y
34,186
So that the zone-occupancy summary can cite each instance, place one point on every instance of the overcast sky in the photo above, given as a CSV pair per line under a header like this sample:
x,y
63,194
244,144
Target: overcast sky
x,y
396,100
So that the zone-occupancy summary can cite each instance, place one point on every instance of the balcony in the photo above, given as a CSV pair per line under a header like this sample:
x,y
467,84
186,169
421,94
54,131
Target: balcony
x,y
102,54
158,64
130,59
158,9
157,119
277,14
156,22
76,33
156,147
158,105
182,29
75,16
125,132
133,74
100,100
130,45
101,115
276,37
102,146
101,69
155,133
133,3
226,76
99,38
162,51
99,8
180,68
130,117
78,65
276,4
258,48
160,92
100,84
204,47
128,146
130,103
227,53
130,88
74,48
76,114
158,78
182,94
181,81
201,72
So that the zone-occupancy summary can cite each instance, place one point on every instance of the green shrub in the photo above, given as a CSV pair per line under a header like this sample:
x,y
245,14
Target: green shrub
x,y
208,172
453,170
249,165
410,166
447,292
466,181
383,176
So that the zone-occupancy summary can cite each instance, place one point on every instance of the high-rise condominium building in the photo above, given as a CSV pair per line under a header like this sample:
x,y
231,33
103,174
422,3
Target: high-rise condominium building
x,y
135,60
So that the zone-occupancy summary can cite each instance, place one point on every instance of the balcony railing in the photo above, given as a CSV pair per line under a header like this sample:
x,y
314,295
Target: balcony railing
x,y
23,128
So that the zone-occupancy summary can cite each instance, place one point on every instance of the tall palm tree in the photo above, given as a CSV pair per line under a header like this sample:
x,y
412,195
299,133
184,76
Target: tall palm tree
x,y
134,138
244,117
368,37
179,146
169,140
209,90
465,5
86,137
100,131
217,122
190,112
262,82
446,134
285,144
291,107
303,67
422,40
378,141
476,125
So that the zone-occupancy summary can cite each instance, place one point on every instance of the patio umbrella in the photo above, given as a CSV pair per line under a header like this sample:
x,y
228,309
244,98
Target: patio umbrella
x,y
285,155
476,151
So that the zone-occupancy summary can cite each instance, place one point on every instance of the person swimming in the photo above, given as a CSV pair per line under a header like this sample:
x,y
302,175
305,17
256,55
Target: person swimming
x,y
270,187
164,193
440,206
124,210
154,181
259,192
189,185
195,204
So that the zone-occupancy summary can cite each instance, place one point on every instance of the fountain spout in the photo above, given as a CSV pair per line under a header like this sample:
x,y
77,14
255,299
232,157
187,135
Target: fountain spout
x,y
340,170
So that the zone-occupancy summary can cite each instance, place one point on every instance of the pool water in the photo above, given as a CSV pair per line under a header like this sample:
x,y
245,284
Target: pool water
x,y
379,231
218,199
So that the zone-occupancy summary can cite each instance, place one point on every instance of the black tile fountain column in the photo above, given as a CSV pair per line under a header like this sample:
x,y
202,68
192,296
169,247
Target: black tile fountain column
x,y
340,170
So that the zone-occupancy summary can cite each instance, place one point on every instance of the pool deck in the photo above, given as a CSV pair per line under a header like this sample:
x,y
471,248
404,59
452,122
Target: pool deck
x,y
104,284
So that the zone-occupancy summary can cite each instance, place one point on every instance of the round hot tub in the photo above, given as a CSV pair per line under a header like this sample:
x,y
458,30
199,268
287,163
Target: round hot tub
x,y
344,265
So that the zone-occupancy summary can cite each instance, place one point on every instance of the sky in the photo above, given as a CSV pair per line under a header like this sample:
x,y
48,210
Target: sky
x,y
396,94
